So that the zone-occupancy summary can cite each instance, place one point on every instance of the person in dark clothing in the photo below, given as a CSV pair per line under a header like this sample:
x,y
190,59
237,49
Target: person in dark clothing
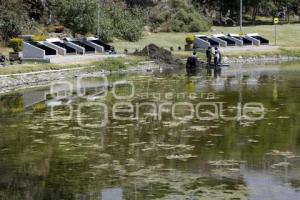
x,y
217,56
217,62
220,57
209,56
191,64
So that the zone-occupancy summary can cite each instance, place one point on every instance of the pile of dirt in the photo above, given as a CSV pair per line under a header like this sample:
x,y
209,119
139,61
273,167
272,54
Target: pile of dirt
x,y
159,54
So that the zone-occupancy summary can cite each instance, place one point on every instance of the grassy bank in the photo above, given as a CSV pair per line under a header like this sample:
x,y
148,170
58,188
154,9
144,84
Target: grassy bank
x,y
288,40
286,52
107,64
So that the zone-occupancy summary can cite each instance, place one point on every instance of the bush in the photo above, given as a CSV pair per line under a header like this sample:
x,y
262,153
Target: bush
x,y
13,19
183,16
179,16
179,4
195,26
37,38
189,39
178,26
77,15
121,22
16,44
40,107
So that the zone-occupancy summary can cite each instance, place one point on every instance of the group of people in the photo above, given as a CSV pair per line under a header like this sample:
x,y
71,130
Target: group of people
x,y
216,54
214,60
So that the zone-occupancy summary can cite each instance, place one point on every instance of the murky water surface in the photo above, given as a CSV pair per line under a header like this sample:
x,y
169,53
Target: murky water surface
x,y
161,135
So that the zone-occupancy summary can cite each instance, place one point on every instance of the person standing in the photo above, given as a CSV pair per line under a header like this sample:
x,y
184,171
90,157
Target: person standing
x,y
209,56
217,62
191,64
217,57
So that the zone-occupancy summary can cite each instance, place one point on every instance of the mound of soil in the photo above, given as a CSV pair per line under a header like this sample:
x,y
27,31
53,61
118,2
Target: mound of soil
x,y
159,54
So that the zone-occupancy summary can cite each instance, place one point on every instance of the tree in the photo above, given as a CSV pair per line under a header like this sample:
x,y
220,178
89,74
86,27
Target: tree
x,y
288,6
118,20
35,8
13,19
141,3
77,15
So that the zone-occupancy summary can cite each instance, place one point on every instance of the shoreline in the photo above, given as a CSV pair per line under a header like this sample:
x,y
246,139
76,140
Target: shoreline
x,y
14,82
261,59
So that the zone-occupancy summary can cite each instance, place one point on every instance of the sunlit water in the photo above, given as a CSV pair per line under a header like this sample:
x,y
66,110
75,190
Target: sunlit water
x,y
73,150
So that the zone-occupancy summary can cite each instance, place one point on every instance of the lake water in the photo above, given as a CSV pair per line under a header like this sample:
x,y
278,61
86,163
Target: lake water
x,y
161,135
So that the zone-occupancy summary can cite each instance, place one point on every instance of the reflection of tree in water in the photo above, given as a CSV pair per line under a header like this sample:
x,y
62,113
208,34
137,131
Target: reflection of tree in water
x,y
11,103
46,159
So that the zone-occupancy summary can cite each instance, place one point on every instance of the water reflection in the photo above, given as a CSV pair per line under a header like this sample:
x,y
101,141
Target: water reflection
x,y
46,157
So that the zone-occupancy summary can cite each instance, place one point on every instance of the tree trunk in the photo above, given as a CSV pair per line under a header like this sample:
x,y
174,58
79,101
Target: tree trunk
x,y
254,14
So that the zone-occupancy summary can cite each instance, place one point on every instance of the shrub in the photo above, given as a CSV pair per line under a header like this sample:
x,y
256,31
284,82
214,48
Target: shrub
x,y
178,26
190,39
36,38
178,16
196,26
199,23
13,19
121,22
16,44
183,16
179,4
77,15
40,107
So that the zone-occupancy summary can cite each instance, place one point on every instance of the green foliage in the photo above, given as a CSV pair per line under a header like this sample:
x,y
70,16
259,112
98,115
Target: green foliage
x,y
12,19
178,16
34,8
178,26
114,64
16,44
40,107
12,103
125,19
190,39
77,15
121,22
37,38
10,28
195,26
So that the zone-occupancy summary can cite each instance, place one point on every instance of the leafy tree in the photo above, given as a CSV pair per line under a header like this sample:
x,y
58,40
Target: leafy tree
x,y
77,15
178,16
288,5
141,3
120,21
35,8
13,18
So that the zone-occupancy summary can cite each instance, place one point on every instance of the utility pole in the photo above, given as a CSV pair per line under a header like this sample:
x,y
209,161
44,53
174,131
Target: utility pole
x,y
241,15
98,19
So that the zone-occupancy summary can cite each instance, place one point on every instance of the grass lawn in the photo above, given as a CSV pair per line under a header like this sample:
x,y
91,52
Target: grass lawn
x,y
288,38
5,51
107,64
288,42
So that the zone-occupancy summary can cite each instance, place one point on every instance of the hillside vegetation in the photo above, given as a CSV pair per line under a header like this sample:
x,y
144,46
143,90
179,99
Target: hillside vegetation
x,y
126,19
